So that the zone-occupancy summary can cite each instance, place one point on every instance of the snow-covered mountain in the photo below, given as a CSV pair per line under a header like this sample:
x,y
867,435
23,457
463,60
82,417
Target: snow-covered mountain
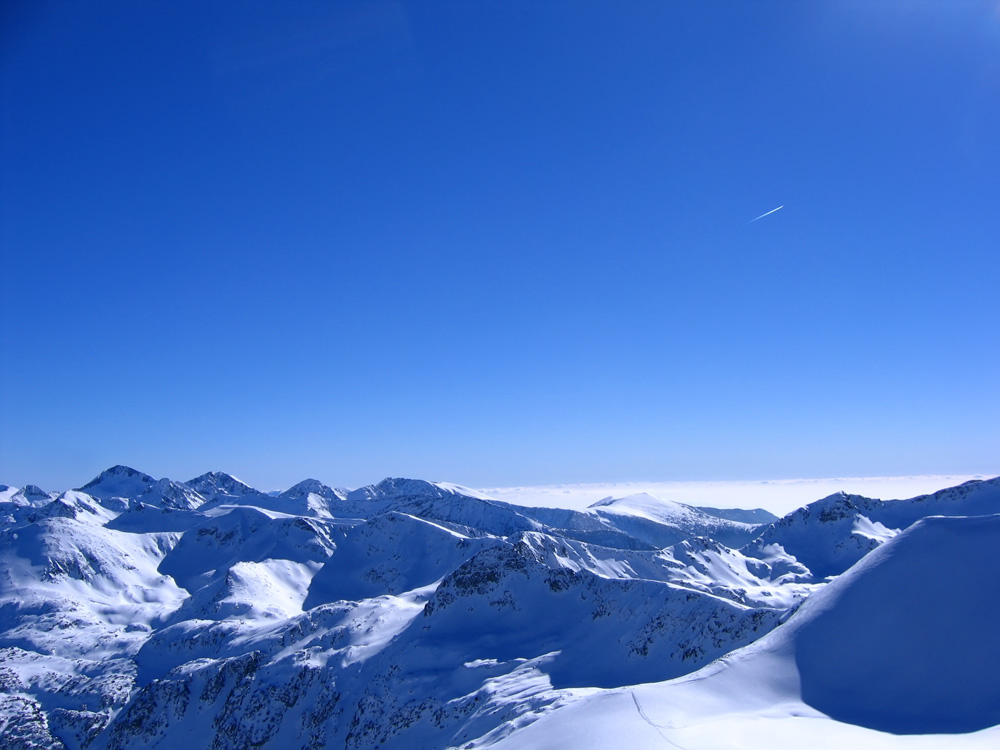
x,y
121,482
743,515
899,651
168,494
312,497
29,495
832,534
137,612
218,486
663,522
309,497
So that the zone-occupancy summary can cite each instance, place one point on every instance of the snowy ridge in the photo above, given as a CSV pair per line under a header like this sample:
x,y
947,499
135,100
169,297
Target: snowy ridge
x,y
218,486
830,535
647,517
137,612
168,494
844,671
245,535
313,498
390,554
314,487
757,516
29,495
118,481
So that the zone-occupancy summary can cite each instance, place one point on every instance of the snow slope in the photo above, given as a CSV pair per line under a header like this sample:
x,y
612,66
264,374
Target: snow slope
x,y
311,497
30,495
664,522
389,554
755,516
219,487
77,600
830,535
901,645
118,482
245,534
413,615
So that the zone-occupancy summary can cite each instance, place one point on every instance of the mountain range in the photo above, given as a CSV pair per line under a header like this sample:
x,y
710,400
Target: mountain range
x,y
150,613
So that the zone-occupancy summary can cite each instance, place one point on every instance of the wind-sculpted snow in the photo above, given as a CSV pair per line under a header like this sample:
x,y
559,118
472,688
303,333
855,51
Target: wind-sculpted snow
x,y
413,615
902,644
926,664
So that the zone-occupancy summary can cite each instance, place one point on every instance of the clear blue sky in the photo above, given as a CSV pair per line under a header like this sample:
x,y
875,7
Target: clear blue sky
x,y
499,242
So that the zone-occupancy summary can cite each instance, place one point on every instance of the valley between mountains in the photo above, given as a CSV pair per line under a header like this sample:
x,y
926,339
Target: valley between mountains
x,y
149,613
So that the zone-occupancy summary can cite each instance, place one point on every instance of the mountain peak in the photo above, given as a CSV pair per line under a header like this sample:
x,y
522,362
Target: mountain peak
x,y
29,495
34,492
643,504
312,487
169,494
220,485
73,504
119,471
398,488
118,481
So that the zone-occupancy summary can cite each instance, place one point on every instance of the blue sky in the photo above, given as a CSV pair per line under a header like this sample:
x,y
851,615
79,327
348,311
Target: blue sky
x,y
499,243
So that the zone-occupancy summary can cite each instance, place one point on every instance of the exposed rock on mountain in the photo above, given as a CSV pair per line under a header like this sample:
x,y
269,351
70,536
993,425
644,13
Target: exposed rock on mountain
x,y
138,613
902,644
218,487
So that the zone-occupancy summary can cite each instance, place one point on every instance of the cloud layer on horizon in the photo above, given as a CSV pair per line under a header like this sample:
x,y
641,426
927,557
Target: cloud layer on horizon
x,y
779,496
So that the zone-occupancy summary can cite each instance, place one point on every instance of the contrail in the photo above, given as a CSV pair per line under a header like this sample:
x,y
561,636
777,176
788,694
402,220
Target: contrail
x,y
767,214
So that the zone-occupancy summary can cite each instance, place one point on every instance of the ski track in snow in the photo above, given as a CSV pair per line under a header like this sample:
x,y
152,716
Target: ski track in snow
x,y
657,727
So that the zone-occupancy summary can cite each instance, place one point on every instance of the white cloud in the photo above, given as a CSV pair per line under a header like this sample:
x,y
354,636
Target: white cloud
x,y
779,496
